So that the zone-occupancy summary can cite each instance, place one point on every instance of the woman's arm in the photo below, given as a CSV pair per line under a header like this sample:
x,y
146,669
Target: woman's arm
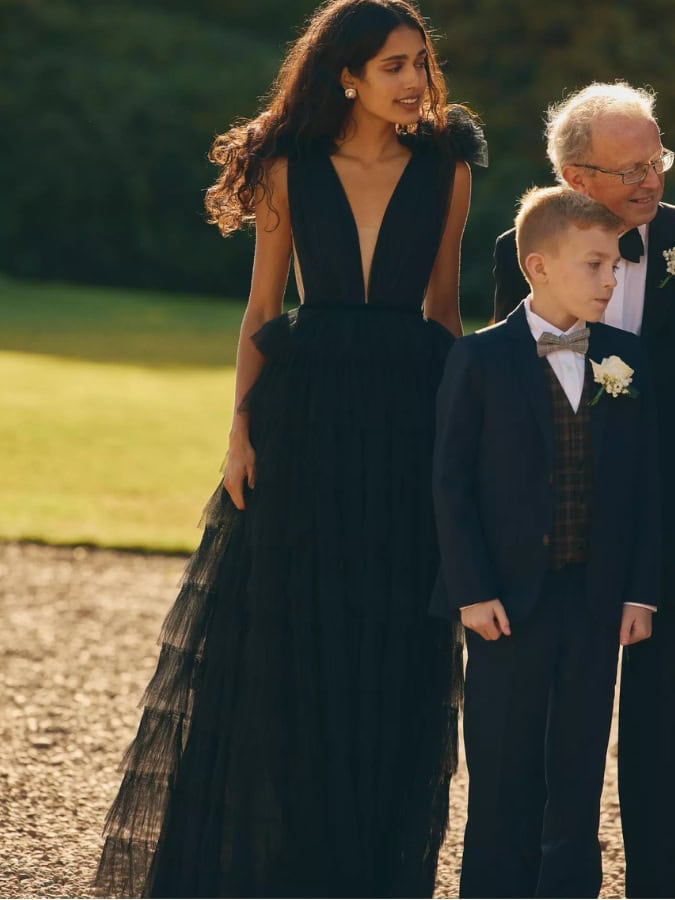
x,y
273,246
441,302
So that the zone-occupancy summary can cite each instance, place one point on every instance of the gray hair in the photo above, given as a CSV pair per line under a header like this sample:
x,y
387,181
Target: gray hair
x,y
569,122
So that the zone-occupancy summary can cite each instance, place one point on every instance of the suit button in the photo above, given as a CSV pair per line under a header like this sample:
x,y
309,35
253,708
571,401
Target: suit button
x,y
546,540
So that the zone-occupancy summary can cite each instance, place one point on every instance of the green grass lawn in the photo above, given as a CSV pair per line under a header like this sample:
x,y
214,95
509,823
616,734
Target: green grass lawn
x,y
118,326
114,413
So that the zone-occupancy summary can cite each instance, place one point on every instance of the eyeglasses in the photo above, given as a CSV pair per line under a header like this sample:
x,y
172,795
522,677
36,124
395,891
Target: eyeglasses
x,y
639,173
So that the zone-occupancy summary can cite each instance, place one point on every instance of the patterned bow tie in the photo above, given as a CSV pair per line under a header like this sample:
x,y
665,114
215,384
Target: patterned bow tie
x,y
577,341
631,245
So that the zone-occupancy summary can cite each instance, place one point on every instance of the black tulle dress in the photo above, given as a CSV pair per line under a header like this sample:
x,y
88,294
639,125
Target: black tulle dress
x,y
301,728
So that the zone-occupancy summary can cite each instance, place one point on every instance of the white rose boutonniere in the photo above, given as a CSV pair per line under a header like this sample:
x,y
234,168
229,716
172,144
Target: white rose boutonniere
x,y
614,378
669,256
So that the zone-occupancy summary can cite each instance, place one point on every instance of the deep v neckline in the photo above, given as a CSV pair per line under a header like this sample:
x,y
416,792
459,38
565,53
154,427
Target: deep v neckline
x,y
356,239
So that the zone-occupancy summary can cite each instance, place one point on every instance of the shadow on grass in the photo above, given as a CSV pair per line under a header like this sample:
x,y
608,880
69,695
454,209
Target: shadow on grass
x,y
141,328
118,326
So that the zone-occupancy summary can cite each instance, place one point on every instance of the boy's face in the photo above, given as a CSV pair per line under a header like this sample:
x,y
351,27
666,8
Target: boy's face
x,y
579,273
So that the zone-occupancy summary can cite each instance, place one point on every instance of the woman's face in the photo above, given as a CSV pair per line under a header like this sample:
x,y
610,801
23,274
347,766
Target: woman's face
x,y
394,83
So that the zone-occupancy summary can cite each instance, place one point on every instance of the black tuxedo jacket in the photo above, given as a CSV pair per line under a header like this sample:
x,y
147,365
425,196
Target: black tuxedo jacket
x,y
658,336
492,475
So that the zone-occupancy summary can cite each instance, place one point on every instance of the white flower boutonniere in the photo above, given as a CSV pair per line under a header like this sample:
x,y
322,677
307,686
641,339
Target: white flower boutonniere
x,y
614,378
669,256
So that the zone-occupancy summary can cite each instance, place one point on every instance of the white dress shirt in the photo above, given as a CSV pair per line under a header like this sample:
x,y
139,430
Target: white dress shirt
x,y
628,298
569,366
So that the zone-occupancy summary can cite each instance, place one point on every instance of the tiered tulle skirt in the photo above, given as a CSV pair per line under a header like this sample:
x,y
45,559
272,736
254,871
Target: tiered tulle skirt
x,y
301,728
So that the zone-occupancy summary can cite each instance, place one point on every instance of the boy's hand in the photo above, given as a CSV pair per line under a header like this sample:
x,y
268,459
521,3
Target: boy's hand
x,y
636,625
487,619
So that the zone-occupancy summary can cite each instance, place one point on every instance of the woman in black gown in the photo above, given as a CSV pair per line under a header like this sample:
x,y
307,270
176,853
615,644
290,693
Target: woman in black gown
x,y
300,730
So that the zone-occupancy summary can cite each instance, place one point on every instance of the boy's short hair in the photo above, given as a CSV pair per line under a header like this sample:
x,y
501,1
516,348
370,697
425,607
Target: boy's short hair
x,y
546,213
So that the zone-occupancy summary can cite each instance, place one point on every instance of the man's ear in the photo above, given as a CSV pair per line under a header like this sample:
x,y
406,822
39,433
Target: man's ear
x,y
535,266
576,178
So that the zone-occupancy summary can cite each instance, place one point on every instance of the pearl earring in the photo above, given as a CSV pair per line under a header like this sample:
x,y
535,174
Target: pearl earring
x,y
350,93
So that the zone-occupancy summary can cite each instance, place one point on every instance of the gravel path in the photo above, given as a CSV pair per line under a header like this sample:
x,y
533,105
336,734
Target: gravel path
x,y
78,643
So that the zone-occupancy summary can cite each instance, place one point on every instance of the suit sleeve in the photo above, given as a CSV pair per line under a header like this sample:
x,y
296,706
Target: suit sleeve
x,y
467,572
510,285
644,581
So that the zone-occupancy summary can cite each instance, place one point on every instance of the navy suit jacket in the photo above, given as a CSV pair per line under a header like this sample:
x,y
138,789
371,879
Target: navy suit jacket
x,y
493,476
658,336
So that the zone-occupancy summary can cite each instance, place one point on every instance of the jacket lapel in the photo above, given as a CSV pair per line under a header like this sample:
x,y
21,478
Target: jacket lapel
x,y
529,368
657,300
534,385
597,351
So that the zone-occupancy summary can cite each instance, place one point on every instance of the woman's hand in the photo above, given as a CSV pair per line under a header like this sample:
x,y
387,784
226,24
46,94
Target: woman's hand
x,y
239,466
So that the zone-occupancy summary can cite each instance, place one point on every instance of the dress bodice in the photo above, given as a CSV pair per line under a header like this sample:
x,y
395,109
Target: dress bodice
x,y
327,242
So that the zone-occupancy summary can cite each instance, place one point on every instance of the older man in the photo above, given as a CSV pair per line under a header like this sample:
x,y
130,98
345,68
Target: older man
x,y
604,142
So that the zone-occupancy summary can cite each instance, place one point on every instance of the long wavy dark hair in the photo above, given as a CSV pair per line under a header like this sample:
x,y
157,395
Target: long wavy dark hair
x,y
306,107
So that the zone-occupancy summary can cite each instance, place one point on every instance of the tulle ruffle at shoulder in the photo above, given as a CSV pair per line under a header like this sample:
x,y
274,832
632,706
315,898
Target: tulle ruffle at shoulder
x,y
462,138
465,137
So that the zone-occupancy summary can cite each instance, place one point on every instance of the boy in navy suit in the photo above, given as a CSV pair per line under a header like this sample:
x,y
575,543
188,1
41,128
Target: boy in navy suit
x,y
547,510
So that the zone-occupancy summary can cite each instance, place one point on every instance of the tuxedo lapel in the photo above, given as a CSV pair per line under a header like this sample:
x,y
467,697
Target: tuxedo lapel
x,y
535,387
661,236
530,373
597,351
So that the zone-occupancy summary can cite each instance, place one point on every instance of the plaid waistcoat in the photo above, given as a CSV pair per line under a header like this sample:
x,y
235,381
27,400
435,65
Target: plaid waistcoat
x,y
572,473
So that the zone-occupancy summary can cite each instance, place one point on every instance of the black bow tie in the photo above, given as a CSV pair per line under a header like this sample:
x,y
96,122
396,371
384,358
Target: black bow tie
x,y
631,246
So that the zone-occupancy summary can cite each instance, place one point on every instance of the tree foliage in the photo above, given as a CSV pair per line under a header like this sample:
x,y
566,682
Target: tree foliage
x,y
110,114
510,60
108,107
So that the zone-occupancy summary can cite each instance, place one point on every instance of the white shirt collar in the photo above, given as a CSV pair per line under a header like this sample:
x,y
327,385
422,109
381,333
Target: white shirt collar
x,y
538,325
